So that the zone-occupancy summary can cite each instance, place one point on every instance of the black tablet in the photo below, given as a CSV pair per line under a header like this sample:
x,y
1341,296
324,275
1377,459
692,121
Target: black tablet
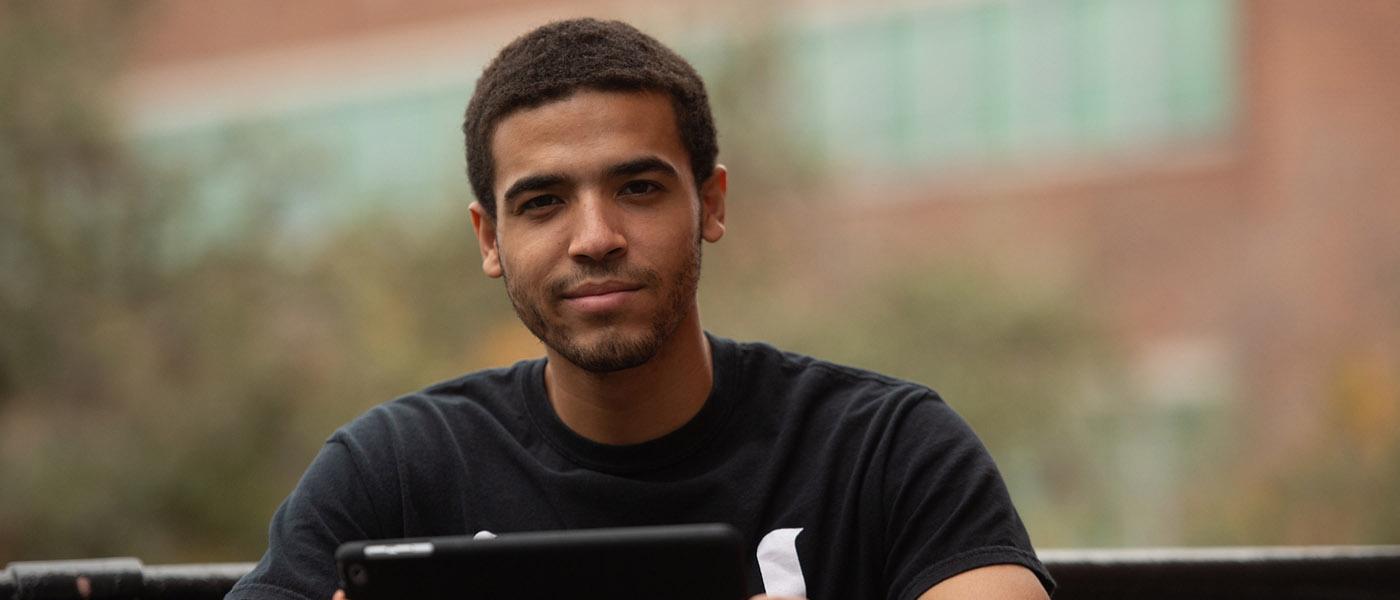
x,y
683,562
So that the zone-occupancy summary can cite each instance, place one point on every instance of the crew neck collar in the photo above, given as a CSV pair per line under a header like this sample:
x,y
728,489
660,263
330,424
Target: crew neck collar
x,y
634,458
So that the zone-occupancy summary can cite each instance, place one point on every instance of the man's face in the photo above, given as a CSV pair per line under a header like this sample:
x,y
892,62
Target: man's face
x,y
598,225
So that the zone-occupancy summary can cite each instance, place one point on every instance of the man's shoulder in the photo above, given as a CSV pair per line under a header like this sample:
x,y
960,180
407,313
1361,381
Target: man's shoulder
x,y
485,395
476,384
765,366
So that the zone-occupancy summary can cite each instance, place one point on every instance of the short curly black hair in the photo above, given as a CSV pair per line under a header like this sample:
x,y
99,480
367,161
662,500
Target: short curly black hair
x,y
555,60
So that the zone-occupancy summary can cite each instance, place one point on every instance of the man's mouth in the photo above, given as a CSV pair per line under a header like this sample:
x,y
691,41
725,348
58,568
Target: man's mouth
x,y
600,289
601,296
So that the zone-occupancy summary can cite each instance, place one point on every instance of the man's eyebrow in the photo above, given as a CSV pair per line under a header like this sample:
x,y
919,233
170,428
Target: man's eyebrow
x,y
636,166
641,165
531,183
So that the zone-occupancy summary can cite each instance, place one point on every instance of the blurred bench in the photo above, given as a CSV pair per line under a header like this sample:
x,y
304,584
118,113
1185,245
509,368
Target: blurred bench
x,y
1295,573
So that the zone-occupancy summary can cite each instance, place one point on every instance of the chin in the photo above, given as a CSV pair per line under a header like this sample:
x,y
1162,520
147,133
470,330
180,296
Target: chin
x,y
611,353
613,348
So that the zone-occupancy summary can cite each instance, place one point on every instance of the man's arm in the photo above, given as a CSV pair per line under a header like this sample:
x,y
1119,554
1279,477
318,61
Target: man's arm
x,y
952,528
995,582
328,506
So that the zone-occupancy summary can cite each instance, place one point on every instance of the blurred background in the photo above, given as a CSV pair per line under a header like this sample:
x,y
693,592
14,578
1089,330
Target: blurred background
x,y
1149,248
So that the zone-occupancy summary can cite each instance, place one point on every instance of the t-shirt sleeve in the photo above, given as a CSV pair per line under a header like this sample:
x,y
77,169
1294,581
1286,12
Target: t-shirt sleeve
x,y
948,508
329,506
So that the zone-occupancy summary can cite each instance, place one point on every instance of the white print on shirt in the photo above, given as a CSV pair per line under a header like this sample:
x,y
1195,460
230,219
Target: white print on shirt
x,y
777,563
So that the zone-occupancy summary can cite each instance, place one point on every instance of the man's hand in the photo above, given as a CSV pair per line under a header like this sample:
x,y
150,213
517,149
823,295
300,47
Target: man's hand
x,y
339,595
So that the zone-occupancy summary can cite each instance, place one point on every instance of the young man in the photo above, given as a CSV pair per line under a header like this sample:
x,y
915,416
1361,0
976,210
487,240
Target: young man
x,y
591,151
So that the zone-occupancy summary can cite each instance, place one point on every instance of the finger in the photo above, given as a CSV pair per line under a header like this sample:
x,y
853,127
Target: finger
x,y
339,595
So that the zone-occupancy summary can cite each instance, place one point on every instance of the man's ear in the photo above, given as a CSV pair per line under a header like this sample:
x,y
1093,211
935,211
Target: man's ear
x,y
712,194
485,226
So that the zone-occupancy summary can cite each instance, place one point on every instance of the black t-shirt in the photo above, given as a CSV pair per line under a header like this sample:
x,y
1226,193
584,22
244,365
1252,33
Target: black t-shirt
x,y
846,484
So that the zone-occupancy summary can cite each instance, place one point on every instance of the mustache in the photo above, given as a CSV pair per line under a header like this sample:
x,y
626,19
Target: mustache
x,y
594,271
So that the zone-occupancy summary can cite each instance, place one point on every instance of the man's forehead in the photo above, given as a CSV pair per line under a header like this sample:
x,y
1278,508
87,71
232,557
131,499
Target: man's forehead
x,y
586,132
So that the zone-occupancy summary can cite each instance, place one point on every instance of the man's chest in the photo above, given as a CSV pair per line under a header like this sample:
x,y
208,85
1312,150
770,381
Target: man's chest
x,y
806,526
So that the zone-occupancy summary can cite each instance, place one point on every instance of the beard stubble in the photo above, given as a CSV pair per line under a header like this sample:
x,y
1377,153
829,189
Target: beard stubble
x,y
617,350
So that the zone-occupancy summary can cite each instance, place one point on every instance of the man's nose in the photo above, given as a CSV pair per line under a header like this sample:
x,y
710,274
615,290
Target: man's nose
x,y
598,235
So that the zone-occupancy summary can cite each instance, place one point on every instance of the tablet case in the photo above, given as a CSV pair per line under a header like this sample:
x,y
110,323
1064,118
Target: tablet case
x,y
684,562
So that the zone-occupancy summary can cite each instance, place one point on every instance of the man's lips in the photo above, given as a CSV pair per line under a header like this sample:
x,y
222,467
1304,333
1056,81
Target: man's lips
x,y
600,297
600,289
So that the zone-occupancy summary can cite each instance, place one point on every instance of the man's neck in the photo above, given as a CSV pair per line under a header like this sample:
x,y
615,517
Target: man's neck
x,y
638,404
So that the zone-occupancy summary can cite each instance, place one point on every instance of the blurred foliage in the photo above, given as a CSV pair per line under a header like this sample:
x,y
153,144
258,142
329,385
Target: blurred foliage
x,y
159,392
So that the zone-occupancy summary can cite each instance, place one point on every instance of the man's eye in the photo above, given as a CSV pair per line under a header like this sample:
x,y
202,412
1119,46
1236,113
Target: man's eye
x,y
538,202
636,188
